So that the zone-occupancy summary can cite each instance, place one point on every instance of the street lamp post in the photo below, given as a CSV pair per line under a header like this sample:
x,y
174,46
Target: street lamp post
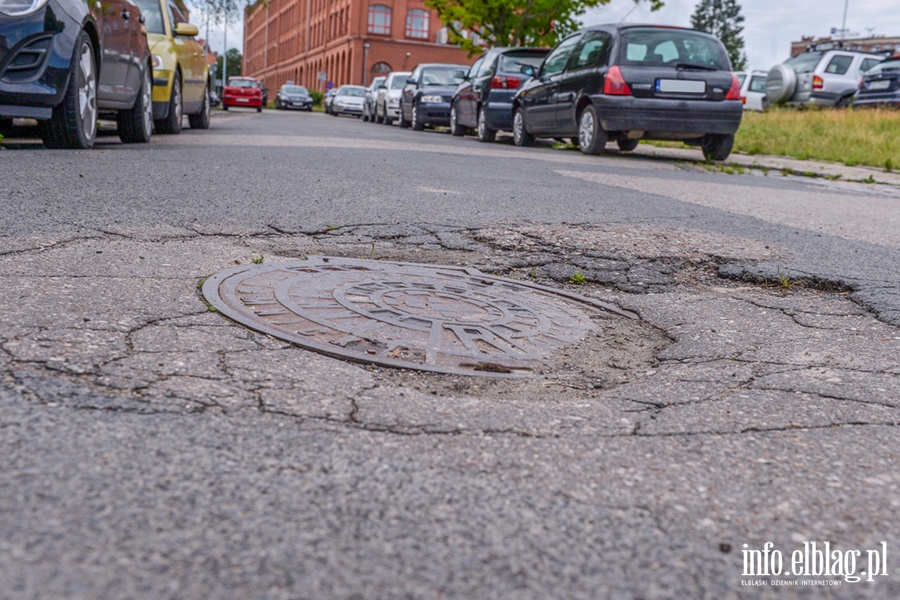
x,y
365,62
844,22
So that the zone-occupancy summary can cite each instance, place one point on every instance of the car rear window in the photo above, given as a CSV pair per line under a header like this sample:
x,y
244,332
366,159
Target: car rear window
x,y
758,84
241,83
670,47
805,62
513,63
888,65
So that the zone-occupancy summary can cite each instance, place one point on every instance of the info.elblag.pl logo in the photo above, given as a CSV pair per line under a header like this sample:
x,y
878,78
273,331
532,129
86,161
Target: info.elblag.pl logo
x,y
816,560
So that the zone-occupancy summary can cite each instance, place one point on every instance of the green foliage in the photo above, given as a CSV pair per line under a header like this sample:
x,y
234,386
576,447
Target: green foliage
x,y
723,19
578,278
234,64
317,97
539,23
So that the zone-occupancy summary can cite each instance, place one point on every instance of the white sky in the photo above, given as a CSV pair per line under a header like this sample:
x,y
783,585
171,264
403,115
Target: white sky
x,y
769,25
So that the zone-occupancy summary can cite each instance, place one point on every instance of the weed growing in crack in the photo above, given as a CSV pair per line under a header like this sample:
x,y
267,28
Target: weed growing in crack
x,y
578,278
784,280
200,283
869,179
258,260
533,273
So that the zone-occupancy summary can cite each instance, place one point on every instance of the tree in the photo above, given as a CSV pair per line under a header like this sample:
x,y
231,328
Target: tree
x,y
233,66
723,19
512,22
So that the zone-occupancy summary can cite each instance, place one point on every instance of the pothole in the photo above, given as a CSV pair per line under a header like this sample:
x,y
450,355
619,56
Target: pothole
x,y
443,319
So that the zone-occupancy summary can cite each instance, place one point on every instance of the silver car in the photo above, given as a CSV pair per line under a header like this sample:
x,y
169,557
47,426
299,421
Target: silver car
x,y
823,76
348,100
387,102
369,102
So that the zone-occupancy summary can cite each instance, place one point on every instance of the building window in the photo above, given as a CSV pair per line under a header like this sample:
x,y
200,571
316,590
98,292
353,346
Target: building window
x,y
380,19
381,68
417,23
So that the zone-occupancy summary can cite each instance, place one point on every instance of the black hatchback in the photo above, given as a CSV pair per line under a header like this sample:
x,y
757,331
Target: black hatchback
x,y
880,85
632,82
484,100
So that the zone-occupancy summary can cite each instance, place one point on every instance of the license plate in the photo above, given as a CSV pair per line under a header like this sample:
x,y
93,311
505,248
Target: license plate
x,y
680,86
879,85
243,99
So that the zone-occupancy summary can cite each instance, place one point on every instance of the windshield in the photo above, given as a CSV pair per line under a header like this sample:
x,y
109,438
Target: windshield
x,y
399,81
888,65
354,91
443,75
805,62
242,83
656,47
152,14
295,89
512,63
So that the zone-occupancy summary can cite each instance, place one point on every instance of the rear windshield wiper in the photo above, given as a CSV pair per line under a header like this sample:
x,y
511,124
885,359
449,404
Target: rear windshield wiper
x,y
683,65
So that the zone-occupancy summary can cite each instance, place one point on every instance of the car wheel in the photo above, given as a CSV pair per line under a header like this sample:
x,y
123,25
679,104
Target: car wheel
x,y
259,109
417,124
717,146
485,133
455,128
224,107
627,145
844,102
73,123
136,124
172,122
403,122
591,137
201,119
521,137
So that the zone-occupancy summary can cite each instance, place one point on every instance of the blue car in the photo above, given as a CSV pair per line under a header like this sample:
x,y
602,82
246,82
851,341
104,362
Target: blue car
x,y
68,62
425,99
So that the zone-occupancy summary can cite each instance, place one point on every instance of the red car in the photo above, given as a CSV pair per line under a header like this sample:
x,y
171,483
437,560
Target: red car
x,y
242,91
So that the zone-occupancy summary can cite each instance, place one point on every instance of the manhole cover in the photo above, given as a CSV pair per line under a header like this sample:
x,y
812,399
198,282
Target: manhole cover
x,y
426,317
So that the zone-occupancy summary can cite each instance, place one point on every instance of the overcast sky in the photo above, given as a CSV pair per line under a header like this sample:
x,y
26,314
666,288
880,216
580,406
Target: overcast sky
x,y
769,25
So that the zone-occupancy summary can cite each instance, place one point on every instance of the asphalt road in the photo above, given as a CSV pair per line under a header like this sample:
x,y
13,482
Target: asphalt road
x,y
155,449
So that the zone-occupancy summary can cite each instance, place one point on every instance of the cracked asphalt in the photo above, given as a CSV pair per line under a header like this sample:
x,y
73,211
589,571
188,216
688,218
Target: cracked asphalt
x,y
154,449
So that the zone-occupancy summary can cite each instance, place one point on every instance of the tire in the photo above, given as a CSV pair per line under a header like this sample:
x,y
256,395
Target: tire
x,y
455,128
224,107
136,124
404,124
591,137
485,133
172,122
201,119
378,118
73,123
259,109
627,145
417,124
781,83
844,102
717,146
521,137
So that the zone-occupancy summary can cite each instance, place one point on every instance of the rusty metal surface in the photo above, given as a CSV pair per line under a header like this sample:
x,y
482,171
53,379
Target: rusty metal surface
x,y
426,317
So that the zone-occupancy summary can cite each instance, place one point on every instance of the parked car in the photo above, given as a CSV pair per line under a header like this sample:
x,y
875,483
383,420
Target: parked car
x,y
484,100
242,91
181,79
214,99
753,90
66,62
328,99
627,82
369,100
387,101
348,101
264,91
880,85
293,96
425,99
825,75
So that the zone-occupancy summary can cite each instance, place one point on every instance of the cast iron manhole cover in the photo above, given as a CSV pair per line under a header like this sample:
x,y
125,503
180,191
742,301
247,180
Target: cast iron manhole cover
x,y
426,317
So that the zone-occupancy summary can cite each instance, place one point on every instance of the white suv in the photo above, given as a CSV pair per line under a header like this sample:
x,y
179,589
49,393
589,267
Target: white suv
x,y
824,76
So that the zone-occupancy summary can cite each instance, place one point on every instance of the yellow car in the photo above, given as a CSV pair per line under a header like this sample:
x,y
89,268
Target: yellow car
x,y
181,81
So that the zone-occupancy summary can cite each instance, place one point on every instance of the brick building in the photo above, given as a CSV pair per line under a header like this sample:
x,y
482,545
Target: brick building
x,y
350,41
883,44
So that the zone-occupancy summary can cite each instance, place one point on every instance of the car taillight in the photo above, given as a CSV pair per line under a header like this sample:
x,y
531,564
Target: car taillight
x,y
818,83
743,99
614,84
734,92
499,82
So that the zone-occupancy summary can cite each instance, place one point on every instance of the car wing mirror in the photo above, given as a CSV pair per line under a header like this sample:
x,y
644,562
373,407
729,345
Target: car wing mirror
x,y
411,81
527,70
186,29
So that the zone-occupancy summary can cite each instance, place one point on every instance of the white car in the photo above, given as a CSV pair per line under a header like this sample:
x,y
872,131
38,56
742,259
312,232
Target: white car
x,y
348,101
753,90
387,103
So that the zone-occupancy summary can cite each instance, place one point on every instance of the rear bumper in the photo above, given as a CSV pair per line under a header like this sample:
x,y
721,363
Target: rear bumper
x,y
498,115
874,100
662,119
241,101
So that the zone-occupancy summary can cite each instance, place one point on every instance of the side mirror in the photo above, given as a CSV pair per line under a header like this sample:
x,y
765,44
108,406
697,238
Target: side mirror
x,y
382,87
411,81
527,70
186,29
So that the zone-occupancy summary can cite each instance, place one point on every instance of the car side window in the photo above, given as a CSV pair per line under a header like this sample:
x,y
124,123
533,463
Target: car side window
x,y
487,67
175,15
556,60
473,71
839,65
592,51
867,64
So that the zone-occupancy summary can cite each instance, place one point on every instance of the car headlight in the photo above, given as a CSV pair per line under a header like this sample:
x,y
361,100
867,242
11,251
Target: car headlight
x,y
155,59
431,100
16,8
